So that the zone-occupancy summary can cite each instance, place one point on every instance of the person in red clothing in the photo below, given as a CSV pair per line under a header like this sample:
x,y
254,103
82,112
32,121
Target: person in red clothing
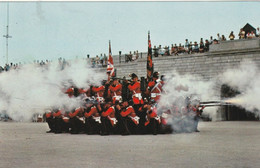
x,y
58,120
99,93
77,120
92,119
153,121
130,119
108,120
135,88
116,91
154,88
74,91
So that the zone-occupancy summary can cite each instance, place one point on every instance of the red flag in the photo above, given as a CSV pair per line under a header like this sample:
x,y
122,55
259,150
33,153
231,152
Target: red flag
x,y
149,65
110,64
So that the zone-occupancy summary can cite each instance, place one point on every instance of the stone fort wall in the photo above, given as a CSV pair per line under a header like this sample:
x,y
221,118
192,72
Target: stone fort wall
x,y
223,56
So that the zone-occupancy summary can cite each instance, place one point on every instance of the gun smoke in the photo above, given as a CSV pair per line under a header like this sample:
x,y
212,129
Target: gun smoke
x,y
32,89
245,79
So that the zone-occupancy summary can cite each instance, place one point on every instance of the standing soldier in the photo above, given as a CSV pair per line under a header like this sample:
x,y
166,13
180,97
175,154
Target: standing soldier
x,y
197,111
116,91
154,88
135,88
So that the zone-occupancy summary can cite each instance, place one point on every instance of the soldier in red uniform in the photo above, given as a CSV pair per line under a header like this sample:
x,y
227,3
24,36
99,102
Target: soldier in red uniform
x,y
129,117
58,120
92,119
108,120
77,120
153,121
99,93
154,88
135,88
116,91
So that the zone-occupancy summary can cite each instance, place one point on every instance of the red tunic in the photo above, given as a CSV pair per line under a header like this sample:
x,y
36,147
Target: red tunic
x,y
110,114
116,92
93,112
99,92
136,91
75,113
155,89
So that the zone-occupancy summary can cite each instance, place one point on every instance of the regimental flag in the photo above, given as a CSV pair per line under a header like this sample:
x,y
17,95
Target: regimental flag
x,y
149,66
110,64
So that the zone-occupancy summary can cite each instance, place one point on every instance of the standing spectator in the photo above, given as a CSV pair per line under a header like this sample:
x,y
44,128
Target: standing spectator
x,y
231,36
155,51
206,48
134,57
186,45
211,40
257,32
105,59
137,54
101,59
97,60
218,37
201,49
223,38
241,34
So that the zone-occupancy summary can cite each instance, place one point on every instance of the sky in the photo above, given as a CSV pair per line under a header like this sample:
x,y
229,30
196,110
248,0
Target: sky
x,y
50,30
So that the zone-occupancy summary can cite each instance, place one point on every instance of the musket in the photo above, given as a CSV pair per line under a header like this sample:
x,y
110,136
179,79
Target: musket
x,y
214,103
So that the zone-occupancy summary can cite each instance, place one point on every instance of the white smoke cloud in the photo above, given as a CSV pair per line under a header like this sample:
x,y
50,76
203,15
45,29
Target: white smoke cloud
x,y
32,89
245,79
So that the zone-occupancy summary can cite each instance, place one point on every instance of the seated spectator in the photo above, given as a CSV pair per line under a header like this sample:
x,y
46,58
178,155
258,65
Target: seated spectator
x,y
215,41
167,52
161,50
231,36
155,51
206,48
176,49
250,35
223,38
181,49
201,49
196,47
211,40
241,34
190,48
172,49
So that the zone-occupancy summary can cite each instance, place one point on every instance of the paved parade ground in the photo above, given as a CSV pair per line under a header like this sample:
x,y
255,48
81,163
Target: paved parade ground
x,y
219,144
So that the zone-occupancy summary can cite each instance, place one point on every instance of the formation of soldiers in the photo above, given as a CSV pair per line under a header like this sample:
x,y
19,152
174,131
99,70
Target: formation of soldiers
x,y
125,107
